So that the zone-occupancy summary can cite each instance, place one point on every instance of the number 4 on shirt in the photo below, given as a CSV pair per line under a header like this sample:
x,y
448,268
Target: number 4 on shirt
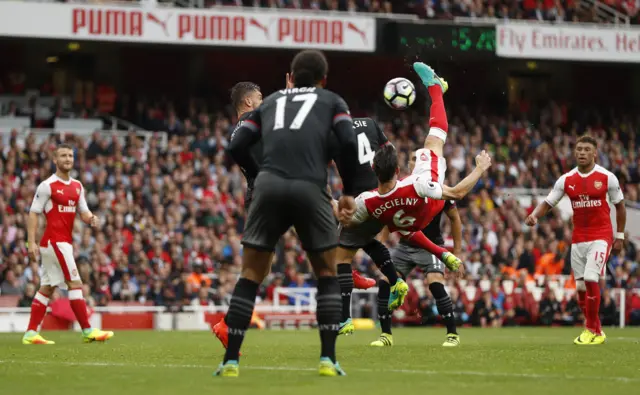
x,y
365,153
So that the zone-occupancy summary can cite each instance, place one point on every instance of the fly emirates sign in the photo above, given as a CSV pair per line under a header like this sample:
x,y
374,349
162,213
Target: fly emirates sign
x,y
232,27
568,42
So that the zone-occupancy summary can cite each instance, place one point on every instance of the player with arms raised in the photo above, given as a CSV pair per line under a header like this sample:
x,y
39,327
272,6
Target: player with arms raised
x,y
407,257
58,197
295,126
588,186
409,205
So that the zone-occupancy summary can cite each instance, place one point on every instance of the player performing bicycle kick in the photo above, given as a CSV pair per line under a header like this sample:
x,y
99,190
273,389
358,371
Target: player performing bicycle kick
x,y
410,204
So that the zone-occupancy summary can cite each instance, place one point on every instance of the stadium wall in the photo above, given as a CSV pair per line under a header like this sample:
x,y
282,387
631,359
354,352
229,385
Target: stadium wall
x,y
197,318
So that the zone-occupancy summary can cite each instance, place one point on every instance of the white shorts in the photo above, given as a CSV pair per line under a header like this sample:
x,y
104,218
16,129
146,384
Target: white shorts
x,y
589,258
430,165
58,265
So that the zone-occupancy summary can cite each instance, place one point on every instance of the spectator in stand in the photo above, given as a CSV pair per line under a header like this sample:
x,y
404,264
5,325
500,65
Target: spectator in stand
x,y
27,297
204,298
634,309
497,296
485,312
11,284
458,307
609,315
552,262
197,279
270,291
550,309
166,206
572,314
124,289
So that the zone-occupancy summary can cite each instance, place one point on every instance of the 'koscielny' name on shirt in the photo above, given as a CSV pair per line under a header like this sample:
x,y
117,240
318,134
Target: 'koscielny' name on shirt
x,y
586,203
393,203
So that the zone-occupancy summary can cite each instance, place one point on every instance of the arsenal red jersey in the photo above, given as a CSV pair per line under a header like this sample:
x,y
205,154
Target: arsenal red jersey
x,y
409,206
588,194
58,200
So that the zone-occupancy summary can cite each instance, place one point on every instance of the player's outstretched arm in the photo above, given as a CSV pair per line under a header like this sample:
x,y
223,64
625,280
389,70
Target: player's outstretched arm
x,y
483,162
43,194
621,223
617,199
32,227
350,216
539,212
343,128
433,190
85,214
456,229
550,202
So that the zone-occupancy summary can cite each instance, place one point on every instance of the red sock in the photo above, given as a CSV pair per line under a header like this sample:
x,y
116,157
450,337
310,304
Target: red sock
x,y
593,306
582,300
437,114
79,307
419,239
38,311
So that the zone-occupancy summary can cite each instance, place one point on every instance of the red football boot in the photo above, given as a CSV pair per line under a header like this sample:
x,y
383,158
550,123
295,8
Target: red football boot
x,y
360,282
221,330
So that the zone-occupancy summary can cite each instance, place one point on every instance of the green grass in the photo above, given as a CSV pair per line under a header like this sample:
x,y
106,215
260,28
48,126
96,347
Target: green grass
x,y
490,361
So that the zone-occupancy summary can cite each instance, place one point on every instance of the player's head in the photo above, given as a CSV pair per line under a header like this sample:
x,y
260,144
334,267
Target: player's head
x,y
245,96
385,163
586,150
63,158
309,68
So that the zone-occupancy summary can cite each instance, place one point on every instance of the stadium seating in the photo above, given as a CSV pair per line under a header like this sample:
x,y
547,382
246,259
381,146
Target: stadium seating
x,y
176,204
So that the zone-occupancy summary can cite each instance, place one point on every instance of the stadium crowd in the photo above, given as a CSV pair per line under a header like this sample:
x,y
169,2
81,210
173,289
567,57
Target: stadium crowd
x,y
538,10
172,216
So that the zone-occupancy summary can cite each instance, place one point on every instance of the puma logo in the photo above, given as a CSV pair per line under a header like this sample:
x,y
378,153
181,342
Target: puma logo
x,y
360,32
156,20
572,187
254,22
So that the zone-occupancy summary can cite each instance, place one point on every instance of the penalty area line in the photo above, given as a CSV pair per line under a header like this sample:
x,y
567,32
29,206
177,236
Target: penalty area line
x,y
535,376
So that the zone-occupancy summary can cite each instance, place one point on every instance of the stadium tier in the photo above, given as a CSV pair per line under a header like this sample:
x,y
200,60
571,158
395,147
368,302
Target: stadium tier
x,y
150,126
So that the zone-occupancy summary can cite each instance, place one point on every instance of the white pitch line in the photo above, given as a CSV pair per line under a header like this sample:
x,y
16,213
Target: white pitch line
x,y
298,369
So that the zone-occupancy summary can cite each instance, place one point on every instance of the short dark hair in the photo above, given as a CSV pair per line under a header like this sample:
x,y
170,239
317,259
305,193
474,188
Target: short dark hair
x,y
240,91
309,67
585,138
385,163
63,146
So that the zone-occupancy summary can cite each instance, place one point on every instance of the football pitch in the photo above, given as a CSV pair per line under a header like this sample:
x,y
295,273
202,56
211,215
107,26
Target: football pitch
x,y
489,361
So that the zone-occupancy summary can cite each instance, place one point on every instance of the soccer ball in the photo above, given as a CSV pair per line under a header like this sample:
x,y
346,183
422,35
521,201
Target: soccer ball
x,y
399,93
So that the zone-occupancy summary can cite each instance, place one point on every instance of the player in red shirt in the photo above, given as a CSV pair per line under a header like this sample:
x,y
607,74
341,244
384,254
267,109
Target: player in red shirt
x,y
409,205
588,186
58,197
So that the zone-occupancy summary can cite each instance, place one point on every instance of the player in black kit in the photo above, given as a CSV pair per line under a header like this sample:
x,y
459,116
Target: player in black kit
x,y
370,138
246,97
407,257
295,126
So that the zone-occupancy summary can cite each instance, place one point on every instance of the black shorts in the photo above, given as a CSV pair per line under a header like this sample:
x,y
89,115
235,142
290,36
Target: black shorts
x,y
358,236
279,203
